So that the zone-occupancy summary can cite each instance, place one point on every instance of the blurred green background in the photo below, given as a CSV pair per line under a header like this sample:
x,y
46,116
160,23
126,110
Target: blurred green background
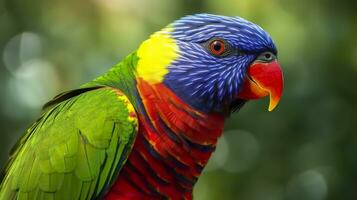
x,y
305,150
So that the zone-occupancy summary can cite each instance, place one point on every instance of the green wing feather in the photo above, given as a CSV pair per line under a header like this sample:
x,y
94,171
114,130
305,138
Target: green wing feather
x,y
75,150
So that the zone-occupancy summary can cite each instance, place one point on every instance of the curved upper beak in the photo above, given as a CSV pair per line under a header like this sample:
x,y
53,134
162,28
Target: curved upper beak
x,y
263,79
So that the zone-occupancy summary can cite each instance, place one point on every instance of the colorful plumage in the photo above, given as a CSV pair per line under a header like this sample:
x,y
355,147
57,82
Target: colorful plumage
x,y
146,128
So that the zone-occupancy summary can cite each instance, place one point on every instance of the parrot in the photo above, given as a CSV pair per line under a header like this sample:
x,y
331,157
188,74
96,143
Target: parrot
x,y
147,127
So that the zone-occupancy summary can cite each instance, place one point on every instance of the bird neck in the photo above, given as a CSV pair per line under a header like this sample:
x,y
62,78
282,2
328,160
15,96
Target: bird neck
x,y
122,77
177,136
174,141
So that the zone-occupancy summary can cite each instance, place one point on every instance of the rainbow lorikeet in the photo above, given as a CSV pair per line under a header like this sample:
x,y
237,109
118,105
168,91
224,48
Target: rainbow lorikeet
x,y
147,127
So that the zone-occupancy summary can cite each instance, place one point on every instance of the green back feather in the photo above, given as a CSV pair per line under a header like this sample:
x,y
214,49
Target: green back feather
x,y
121,76
78,146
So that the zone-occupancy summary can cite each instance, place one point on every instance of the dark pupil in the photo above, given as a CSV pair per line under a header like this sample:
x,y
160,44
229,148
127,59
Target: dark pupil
x,y
217,46
267,56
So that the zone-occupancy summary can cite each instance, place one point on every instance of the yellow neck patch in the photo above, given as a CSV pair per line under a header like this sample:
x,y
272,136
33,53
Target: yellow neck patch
x,y
155,55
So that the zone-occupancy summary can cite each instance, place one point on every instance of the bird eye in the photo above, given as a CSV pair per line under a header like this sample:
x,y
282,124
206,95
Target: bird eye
x,y
217,47
266,56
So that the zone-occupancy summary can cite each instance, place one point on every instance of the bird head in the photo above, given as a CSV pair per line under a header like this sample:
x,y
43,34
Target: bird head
x,y
213,63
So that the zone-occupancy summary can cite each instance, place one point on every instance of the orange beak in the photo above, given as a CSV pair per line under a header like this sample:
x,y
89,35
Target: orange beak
x,y
263,79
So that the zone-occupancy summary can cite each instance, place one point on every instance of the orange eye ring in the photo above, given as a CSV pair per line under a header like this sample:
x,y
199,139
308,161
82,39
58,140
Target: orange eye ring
x,y
217,47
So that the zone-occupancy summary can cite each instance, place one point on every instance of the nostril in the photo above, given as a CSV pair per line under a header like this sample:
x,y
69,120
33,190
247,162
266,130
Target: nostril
x,y
266,57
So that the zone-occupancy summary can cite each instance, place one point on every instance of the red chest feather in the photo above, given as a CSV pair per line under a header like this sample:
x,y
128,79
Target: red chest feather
x,y
173,146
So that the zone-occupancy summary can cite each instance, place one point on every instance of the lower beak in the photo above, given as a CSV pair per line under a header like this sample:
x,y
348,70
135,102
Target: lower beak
x,y
263,79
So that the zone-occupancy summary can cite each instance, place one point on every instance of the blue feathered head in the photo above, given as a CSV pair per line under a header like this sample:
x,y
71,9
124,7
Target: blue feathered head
x,y
219,62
